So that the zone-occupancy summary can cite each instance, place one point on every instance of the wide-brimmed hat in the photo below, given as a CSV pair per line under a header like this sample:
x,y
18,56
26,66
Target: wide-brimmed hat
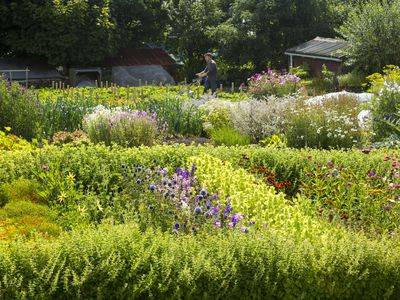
x,y
208,54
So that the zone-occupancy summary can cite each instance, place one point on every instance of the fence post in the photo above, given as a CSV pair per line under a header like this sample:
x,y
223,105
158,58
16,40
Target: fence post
x,y
106,84
233,87
221,88
97,85
140,82
101,84
26,77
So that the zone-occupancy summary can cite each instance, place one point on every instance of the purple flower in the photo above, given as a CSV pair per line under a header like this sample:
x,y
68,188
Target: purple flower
x,y
386,207
236,218
44,167
244,229
215,197
152,188
252,223
198,210
217,223
371,174
176,226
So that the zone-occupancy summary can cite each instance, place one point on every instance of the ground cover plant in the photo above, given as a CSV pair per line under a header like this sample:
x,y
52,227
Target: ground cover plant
x,y
118,213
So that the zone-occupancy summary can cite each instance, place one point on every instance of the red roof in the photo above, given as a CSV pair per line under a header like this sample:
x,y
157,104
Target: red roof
x,y
139,57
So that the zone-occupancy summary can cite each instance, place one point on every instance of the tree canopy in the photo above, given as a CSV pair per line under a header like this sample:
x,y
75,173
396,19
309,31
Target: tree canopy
x,y
246,34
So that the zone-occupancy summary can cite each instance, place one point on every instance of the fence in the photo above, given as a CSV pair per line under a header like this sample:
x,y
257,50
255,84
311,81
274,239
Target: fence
x,y
11,71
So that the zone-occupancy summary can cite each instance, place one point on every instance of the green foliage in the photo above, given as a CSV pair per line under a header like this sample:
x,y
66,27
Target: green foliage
x,y
277,140
182,117
302,71
338,196
385,119
64,137
56,29
18,110
229,137
331,123
270,83
371,30
11,142
353,81
124,128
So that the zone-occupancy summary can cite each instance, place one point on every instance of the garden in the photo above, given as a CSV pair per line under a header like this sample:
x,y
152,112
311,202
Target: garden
x,y
273,195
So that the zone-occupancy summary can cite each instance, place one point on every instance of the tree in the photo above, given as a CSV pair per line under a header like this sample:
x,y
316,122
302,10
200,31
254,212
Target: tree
x,y
78,31
373,33
189,32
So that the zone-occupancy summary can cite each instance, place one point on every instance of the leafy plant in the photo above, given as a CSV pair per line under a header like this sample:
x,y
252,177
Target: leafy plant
x,y
330,123
270,83
125,128
229,137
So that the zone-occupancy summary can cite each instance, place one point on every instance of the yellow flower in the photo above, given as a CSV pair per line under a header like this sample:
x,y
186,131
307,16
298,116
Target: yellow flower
x,y
62,196
70,177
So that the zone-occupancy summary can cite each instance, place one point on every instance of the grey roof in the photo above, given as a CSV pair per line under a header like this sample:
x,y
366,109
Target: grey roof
x,y
38,69
320,47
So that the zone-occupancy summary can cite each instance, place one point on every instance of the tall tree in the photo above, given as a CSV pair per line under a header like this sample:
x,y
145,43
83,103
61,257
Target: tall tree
x,y
373,32
78,31
189,32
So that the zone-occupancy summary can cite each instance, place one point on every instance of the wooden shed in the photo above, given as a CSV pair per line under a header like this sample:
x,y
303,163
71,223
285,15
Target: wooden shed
x,y
317,52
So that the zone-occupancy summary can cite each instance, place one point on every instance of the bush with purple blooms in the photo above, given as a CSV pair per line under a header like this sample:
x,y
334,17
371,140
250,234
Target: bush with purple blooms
x,y
177,203
269,83
126,128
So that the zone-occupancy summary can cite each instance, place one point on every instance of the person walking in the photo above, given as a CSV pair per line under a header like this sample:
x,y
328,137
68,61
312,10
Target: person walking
x,y
210,74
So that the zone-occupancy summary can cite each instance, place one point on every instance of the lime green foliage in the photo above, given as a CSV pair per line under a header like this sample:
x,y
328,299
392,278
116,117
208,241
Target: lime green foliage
x,y
376,81
232,265
331,123
293,249
216,114
9,141
229,137
302,71
23,213
277,140
385,117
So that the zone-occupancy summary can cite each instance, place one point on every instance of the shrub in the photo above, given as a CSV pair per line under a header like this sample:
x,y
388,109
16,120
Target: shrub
x,y
10,141
332,123
229,137
216,114
385,115
181,117
353,81
270,83
64,137
261,119
127,128
302,71
372,32
19,109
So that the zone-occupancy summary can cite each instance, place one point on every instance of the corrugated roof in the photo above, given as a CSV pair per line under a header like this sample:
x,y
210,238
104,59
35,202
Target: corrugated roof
x,y
323,47
140,57
38,69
